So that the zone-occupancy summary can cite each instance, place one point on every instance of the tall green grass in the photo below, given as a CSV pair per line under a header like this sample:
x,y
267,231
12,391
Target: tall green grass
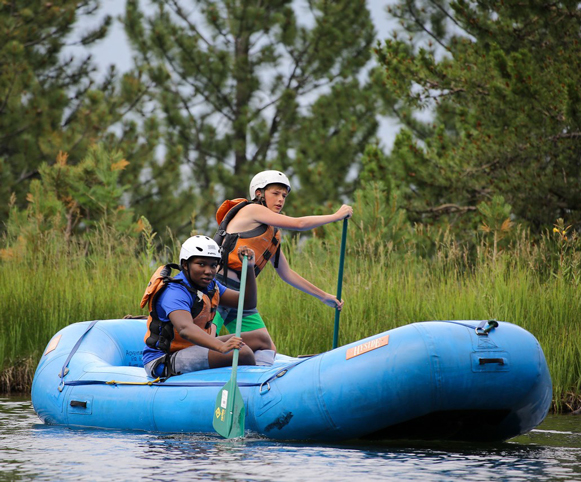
x,y
105,278
59,283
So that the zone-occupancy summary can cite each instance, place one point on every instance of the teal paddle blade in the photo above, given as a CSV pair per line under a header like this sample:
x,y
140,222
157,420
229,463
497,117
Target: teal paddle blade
x,y
230,413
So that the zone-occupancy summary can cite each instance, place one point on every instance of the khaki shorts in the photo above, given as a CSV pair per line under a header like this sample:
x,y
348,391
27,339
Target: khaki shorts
x,y
191,359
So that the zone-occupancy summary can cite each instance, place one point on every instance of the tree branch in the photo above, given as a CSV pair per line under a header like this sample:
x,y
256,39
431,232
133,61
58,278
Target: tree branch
x,y
445,209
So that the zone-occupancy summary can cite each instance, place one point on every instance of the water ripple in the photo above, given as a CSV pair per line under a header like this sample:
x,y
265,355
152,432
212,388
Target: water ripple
x,y
30,450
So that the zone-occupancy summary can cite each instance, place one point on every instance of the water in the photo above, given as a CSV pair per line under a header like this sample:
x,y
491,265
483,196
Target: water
x,y
30,450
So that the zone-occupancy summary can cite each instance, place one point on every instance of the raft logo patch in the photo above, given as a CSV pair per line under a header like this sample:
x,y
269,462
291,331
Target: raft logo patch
x,y
53,344
367,346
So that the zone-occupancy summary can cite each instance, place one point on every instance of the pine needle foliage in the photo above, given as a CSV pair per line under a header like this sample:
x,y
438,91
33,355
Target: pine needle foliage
x,y
248,85
489,96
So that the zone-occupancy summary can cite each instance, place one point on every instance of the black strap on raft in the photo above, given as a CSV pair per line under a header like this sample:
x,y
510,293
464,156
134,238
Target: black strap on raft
x,y
65,369
228,240
485,326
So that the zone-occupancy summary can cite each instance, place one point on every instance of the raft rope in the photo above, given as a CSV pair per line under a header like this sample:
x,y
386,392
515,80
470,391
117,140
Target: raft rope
x,y
481,330
158,382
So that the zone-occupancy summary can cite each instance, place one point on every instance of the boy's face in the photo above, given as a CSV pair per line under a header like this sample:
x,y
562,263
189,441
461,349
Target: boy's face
x,y
201,270
275,196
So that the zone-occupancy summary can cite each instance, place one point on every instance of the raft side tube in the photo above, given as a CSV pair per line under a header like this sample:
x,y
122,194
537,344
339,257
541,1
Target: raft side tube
x,y
473,388
428,380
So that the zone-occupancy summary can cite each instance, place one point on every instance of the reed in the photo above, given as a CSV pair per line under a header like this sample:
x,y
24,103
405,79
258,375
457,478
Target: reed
x,y
533,285
60,283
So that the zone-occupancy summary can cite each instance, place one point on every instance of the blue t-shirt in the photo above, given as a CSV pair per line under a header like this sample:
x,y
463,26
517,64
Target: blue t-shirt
x,y
175,297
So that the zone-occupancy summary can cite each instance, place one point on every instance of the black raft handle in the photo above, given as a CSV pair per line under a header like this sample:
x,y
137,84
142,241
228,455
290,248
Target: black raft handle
x,y
78,403
486,361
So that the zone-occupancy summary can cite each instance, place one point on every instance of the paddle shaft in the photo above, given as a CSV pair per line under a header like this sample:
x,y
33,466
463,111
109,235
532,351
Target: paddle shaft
x,y
239,314
230,412
340,282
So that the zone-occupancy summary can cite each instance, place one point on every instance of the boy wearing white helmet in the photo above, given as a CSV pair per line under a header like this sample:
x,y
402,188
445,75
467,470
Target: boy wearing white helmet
x,y
181,337
256,223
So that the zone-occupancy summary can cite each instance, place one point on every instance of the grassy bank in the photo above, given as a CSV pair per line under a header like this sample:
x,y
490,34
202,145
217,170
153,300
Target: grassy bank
x,y
58,285
383,290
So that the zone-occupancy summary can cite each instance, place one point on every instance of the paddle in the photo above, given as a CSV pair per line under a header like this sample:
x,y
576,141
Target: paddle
x,y
230,413
340,282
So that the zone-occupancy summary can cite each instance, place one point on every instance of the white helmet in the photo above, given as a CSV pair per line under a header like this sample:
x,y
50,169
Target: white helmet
x,y
264,178
200,246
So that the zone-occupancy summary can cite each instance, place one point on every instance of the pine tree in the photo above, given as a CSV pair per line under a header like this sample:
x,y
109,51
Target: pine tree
x,y
72,197
50,101
248,85
501,83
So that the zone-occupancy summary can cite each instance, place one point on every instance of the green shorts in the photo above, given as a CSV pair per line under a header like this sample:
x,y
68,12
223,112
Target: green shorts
x,y
250,321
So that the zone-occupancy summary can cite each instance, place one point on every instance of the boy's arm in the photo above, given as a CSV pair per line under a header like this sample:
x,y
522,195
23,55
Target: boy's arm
x,y
262,215
184,325
297,281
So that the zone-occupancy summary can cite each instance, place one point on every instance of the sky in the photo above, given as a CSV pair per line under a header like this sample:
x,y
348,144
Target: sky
x,y
114,49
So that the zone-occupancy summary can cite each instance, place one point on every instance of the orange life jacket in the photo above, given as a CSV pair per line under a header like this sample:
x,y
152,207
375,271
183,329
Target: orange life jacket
x,y
264,240
162,335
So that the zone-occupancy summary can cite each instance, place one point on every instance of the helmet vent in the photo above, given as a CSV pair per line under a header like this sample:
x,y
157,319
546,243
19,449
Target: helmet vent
x,y
199,246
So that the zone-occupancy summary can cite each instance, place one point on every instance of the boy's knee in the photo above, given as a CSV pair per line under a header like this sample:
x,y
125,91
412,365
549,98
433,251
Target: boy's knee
x,y
258,340
267,342
246,356
264,342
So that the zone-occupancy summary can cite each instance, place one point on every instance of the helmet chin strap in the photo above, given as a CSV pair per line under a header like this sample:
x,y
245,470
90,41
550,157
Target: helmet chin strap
x,y
186,270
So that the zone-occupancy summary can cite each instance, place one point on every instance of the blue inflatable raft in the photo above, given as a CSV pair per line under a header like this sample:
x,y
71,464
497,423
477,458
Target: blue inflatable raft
x,y
460,380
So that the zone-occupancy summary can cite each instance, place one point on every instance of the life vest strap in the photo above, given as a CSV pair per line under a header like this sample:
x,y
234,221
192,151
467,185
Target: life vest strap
x,y
162,332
